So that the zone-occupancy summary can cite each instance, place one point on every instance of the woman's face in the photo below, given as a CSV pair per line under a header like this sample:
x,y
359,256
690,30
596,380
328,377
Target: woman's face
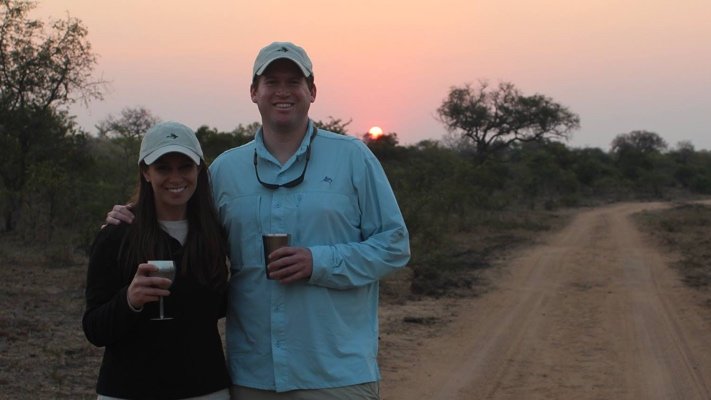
x,y
174,179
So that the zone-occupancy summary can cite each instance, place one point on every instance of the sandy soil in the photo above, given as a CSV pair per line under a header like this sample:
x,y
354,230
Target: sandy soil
x,y
593,312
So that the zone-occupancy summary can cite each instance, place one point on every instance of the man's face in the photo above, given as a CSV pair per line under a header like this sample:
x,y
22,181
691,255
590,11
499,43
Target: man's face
x,y
283,96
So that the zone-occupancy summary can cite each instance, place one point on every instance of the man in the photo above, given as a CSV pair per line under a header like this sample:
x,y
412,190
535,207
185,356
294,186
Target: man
x,y
311,330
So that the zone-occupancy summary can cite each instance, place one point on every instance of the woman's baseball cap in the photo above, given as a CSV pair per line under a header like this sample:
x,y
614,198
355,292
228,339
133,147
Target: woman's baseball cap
x,y
278,50
169,137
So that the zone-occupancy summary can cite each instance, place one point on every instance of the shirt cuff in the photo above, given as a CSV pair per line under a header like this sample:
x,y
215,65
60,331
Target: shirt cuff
x,y
322,259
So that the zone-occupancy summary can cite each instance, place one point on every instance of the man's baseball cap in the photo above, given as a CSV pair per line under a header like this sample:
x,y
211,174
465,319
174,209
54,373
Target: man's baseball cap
x,y
169,137
279,50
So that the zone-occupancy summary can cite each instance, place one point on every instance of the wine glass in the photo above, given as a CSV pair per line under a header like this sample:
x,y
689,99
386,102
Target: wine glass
x,y
166,269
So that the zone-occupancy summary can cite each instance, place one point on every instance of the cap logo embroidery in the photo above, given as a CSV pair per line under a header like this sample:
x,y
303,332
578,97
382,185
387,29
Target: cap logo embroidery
x,y
283,49
172,136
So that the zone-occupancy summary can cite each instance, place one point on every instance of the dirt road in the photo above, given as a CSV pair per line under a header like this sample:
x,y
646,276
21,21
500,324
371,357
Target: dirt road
x,y
592,313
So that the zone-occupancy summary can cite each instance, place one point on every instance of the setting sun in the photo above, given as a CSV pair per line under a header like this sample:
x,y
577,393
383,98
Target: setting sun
x,y
375,132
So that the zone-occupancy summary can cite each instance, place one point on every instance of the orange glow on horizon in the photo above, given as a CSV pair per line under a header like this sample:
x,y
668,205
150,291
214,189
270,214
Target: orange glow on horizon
x,y
577,53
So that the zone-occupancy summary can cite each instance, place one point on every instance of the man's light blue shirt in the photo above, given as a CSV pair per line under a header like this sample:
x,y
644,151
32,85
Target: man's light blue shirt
x,y
322,332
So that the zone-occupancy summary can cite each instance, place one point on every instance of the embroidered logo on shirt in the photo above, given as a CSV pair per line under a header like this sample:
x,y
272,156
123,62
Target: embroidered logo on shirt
x,y
327,180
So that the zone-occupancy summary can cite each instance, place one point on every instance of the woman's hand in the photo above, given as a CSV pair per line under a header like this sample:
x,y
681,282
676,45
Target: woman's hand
x,y
144,288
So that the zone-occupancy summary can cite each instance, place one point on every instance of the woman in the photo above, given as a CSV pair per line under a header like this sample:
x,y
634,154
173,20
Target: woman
x,y
175,219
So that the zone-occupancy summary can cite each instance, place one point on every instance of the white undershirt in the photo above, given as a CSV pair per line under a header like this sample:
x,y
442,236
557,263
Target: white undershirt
x,y
176,229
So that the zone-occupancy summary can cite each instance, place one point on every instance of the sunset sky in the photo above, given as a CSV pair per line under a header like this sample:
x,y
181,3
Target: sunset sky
x,y
620,65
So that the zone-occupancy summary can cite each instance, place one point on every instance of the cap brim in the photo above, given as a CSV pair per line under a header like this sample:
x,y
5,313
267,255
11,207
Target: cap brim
x,y
264,66
151,158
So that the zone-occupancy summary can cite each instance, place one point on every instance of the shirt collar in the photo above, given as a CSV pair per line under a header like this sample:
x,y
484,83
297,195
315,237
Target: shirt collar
x,y
263,153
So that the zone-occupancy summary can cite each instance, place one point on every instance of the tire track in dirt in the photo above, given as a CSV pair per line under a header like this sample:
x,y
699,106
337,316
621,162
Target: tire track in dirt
x,y
666,366
592,313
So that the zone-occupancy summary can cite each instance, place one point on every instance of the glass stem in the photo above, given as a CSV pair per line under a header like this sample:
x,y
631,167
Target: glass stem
x,y
161,307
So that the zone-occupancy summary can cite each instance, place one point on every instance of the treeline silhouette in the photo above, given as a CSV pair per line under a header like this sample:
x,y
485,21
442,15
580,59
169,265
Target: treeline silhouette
x,y
443,190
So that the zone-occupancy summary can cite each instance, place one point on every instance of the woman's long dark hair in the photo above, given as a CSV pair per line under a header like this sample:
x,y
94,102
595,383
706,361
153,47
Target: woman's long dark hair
x,y
205,249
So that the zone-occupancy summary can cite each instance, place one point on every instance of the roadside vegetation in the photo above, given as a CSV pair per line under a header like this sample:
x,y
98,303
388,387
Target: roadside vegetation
x,y
685,232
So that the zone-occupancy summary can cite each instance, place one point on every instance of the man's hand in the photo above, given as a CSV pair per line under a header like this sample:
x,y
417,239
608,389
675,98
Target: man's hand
x,y
145,289
119,214
290,264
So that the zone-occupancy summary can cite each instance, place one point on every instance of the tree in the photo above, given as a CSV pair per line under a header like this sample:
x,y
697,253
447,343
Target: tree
x,y
644,142
335,125
692,169
42,69
214,142
40,72
125,132
638,156
57,190
132,124
543,172
384,146
245,133
596,172
491,119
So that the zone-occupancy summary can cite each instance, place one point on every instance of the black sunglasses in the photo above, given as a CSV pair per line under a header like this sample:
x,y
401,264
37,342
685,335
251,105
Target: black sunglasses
x,y
292,183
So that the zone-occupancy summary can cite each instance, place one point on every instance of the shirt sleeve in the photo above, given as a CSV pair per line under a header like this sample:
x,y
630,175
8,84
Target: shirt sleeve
x,y
108,317
384,245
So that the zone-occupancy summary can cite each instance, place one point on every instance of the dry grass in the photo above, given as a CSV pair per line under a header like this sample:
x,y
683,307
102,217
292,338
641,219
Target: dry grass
x,y
43,352
685,231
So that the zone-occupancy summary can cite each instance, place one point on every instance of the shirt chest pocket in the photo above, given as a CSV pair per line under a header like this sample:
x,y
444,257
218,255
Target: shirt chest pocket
x,y
329,216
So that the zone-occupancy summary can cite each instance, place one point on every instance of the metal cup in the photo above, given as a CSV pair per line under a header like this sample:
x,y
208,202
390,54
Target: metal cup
x,y
271,242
